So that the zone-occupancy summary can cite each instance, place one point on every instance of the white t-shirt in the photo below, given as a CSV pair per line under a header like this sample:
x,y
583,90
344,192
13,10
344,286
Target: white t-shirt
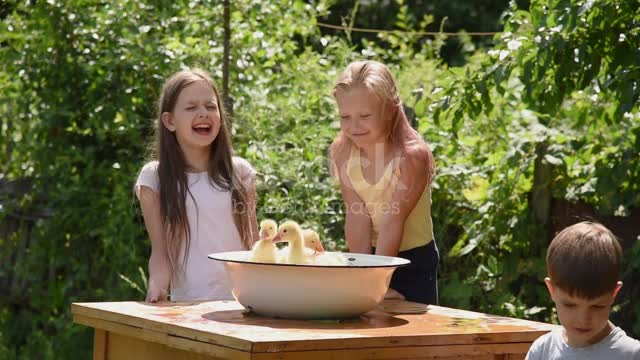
x,y
212,230
616,345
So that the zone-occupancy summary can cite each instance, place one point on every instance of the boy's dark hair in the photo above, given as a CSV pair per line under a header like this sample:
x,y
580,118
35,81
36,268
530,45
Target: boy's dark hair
x,y
585,260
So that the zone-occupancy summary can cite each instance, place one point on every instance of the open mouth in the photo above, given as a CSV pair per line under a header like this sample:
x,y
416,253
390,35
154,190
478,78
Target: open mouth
x,y
202,129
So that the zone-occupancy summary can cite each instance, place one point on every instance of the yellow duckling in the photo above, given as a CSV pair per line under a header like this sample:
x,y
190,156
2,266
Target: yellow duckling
x,y
312,240
312,246
264,250
295,253
320,257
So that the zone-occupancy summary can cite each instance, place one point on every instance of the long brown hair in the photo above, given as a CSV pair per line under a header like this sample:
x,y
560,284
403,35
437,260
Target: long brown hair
x,y
172,171
377,78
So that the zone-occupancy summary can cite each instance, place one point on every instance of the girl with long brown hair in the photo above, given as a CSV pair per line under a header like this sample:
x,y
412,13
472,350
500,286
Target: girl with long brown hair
x,y
196,197
385,170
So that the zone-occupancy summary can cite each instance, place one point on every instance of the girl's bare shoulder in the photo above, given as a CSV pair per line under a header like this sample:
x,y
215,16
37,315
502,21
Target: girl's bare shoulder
x,y
243,167
416,155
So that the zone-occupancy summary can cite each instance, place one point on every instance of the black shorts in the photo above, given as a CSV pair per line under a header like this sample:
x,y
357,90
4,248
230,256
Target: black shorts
x,y
418,281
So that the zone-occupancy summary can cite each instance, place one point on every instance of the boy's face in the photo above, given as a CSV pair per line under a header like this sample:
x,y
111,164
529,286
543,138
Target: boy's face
x,y
585,321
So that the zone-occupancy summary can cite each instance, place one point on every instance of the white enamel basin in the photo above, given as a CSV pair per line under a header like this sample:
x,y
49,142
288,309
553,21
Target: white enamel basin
x,y
309,291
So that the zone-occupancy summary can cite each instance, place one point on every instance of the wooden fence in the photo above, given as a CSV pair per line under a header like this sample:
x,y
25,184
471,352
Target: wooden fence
x,y
16,239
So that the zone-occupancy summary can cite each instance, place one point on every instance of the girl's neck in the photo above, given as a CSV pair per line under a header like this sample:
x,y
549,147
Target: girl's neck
x,y
197,160
378,152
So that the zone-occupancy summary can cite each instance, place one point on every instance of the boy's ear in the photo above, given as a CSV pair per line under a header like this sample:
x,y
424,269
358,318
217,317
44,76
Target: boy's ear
x,y
549,284
167,121
617,289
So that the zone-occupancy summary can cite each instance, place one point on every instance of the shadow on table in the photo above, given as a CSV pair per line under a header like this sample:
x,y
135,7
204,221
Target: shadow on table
x,y
370,320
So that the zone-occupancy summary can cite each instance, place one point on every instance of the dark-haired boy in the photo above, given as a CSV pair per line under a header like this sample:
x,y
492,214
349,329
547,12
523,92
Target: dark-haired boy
x,y
584,263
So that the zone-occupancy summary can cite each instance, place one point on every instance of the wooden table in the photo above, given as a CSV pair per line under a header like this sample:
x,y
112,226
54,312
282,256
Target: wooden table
x,y
224,330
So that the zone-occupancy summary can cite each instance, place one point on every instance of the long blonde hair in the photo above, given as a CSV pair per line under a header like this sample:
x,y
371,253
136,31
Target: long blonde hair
x,y
172,171
376,77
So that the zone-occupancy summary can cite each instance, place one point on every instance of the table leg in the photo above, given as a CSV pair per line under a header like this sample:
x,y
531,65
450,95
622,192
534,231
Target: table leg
x,y
100,344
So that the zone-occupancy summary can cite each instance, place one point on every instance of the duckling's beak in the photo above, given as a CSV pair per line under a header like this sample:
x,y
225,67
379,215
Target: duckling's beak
x,y
263,234
319,248
277,238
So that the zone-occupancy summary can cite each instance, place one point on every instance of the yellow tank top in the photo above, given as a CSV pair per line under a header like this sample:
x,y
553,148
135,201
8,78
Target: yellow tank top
x,y
418,227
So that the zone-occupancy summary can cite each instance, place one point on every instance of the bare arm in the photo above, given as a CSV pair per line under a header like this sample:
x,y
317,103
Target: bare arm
x,y
411,185
159,265
358,227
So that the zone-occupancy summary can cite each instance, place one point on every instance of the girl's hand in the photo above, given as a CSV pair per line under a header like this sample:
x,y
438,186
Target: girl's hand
x,y
155,294
392,294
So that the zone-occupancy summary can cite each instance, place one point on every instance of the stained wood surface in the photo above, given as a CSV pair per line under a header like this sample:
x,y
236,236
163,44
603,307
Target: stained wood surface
x,y
150,342
224,328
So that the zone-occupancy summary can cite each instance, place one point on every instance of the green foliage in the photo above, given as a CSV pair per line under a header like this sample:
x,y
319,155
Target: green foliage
x,y
559,92
293,165
79,80
423,15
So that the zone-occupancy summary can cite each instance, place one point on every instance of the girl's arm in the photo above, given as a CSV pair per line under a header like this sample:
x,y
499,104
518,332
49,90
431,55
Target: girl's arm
x,y
411,185
159,265
357,222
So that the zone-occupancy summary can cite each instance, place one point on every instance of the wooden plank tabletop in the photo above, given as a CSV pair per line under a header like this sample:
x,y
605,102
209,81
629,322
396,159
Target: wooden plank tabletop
x,y
392,324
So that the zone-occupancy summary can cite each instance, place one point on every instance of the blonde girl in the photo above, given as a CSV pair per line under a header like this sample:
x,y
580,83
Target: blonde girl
x,y
385,170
